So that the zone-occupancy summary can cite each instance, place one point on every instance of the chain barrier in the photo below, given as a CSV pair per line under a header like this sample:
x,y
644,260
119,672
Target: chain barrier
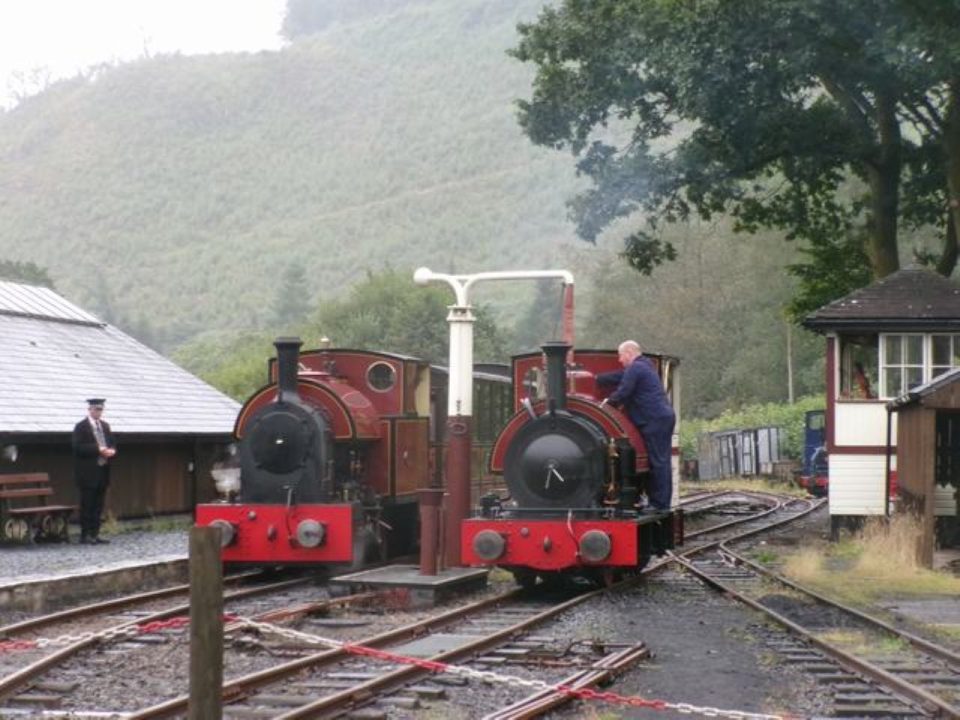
x,y
114,633
131,631
492,677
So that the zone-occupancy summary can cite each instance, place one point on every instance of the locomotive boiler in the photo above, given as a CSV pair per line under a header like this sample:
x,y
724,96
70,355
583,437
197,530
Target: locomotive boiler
x,y
575,469
332,454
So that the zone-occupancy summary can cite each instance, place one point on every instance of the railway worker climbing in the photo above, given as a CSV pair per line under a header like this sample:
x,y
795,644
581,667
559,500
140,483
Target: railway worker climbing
x,y
640,394
93,449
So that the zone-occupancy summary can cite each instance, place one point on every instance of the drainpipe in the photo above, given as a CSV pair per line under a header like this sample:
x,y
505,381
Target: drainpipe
x,y
460,390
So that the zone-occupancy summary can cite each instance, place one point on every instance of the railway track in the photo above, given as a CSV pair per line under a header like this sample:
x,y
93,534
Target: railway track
x,y
329,670
34,647
871,667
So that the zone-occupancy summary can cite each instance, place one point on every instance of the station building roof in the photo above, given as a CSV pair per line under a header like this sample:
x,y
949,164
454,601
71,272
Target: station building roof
x,y
54,355
913,298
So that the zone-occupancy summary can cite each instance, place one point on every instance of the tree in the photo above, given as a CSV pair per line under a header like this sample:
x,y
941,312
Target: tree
x,y
828,119
388,312
292,302
25,272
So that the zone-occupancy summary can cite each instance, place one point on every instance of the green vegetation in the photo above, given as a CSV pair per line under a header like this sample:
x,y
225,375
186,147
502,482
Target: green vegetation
x,y
880,561
836,122
208,204
386,311
788,417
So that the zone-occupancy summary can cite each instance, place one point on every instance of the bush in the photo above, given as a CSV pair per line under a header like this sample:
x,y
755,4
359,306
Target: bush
x,y
788,417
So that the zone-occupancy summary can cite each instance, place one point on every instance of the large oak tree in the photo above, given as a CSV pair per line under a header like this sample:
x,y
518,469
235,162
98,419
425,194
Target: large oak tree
x,y
836,121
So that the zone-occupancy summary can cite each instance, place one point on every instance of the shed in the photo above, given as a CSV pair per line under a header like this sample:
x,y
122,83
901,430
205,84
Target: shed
x,y
883,341
170,425
928,452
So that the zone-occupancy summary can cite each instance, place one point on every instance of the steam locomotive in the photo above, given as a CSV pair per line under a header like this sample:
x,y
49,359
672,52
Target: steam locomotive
x,y
332,452
575,470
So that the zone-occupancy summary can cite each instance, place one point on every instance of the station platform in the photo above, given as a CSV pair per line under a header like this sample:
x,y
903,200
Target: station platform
x,y
42,577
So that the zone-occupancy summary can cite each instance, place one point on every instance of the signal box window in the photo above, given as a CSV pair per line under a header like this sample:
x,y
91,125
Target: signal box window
x,y
944,354
902,359
858,367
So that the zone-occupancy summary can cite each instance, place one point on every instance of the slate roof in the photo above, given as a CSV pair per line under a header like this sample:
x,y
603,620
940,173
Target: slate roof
x,y
910,299
54,355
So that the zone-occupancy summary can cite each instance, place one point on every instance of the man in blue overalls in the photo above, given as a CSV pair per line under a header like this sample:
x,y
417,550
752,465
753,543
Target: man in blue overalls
x,y
641,396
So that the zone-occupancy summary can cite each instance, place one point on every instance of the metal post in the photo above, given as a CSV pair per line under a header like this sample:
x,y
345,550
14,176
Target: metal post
x,y
460,393
206,624
430,499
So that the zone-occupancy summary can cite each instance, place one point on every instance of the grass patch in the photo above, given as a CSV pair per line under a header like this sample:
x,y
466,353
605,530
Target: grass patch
x,y
859,643
877,562
765,556
744,484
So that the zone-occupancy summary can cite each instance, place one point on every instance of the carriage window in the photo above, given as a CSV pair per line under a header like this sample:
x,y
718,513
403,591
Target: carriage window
x,y
381,376
858,367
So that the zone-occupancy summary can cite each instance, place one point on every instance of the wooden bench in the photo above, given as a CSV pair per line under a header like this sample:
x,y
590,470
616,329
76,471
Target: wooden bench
x,y
25,515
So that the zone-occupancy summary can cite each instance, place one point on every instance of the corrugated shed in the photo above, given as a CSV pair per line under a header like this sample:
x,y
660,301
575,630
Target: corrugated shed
x,y
53,356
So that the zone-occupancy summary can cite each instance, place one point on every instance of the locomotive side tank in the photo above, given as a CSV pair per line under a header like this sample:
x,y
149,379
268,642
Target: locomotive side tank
x,y
575,470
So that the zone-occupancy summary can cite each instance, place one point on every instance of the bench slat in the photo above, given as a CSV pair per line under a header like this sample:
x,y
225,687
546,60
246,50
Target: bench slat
x,y
41,509
43,478
26,492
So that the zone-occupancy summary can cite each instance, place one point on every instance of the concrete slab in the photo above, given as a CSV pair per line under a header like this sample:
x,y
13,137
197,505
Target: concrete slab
x,y
408,588
434,645
41,595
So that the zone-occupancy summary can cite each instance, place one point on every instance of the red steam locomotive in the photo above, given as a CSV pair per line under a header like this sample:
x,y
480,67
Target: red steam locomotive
x,y
332,452
575,470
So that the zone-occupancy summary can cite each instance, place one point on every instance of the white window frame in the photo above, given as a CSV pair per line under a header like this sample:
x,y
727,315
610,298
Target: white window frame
x,y
927,370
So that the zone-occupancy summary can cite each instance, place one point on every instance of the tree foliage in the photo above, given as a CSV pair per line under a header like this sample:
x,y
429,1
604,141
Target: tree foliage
x,y
808,116
384,311
387,311
25,272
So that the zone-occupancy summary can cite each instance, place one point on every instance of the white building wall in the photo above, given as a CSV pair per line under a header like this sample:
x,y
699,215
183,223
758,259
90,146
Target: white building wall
x,y
857,484
862,423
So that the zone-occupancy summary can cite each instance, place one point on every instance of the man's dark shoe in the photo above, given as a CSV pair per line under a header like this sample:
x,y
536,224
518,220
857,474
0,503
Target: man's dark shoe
x,y
651,510
100,541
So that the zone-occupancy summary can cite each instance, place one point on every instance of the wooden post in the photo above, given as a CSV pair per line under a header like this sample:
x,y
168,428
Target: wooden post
x,y
206,624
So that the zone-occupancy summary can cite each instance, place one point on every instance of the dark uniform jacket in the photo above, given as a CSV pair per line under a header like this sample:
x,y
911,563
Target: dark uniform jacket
x,y
640,392
86,471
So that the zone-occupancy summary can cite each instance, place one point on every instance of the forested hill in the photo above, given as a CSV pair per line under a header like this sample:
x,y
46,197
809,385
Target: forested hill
x,y
171,193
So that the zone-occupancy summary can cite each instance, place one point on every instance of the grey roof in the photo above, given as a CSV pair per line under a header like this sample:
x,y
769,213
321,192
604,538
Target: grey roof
x,y
927,388
910,298
54,355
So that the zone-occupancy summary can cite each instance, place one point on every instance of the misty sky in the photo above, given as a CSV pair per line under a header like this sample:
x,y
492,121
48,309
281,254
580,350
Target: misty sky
x,y
65,36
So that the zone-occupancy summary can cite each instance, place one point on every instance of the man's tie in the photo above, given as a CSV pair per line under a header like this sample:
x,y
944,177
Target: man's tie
x,y
101,440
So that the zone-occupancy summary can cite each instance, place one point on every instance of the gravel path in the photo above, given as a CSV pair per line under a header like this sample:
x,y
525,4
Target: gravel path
x,y
25,563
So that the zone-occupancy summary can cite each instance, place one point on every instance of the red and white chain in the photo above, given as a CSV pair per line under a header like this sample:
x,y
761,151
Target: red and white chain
x,y
492,677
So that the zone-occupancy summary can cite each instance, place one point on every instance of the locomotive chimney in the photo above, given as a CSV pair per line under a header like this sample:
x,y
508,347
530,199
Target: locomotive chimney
x,y
288,362
556,353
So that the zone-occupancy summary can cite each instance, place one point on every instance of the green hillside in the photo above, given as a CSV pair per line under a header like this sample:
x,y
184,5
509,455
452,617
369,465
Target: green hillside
x,y
172,191
172,195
